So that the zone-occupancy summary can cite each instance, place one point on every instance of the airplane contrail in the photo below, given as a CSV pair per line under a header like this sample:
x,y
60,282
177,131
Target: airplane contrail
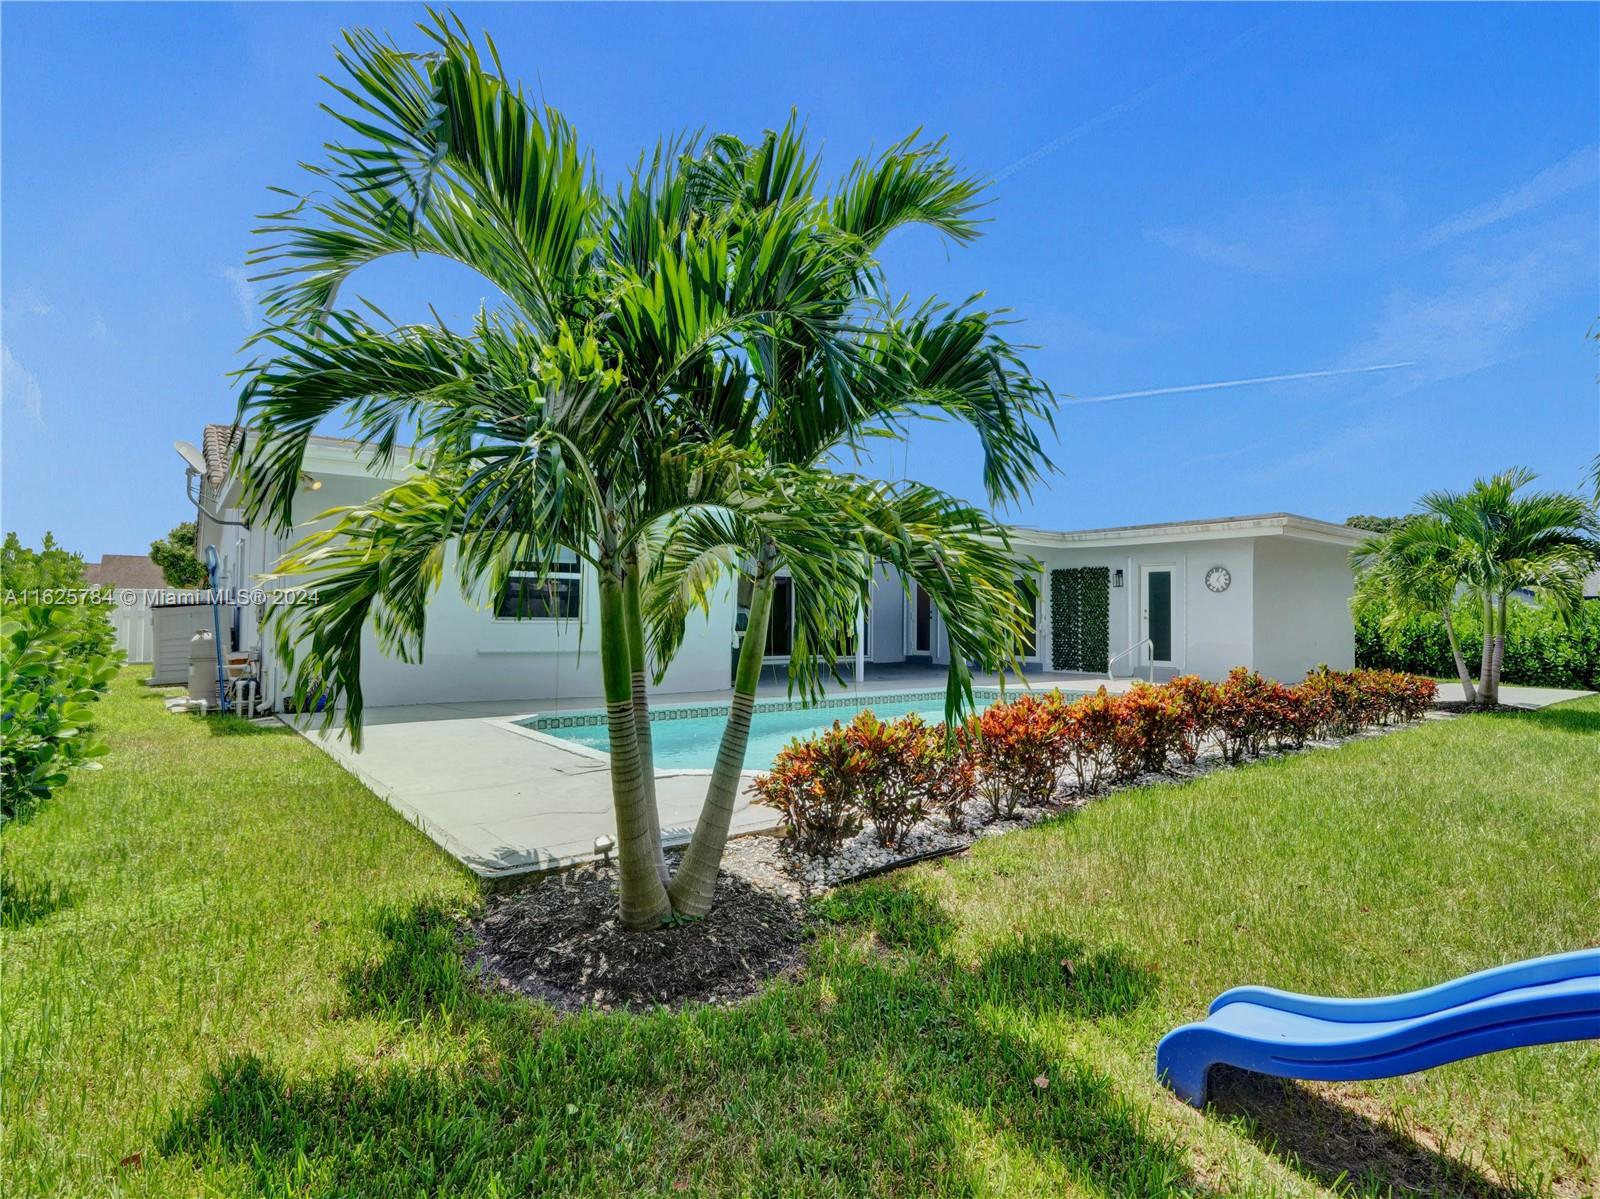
x,y
1193,67
1188,387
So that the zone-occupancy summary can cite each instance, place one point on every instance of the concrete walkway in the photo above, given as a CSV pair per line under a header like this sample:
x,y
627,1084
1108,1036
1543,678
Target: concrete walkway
x,y
506,800
501,799
1517,697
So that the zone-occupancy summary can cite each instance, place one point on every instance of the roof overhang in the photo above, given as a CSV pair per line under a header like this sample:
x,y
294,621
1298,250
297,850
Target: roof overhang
x,y
1276,524
335,457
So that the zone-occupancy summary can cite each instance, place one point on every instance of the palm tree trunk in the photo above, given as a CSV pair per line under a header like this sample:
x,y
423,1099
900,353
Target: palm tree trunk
x,y
1486,659
642,899
696,879
1461,662
641,707
1500,642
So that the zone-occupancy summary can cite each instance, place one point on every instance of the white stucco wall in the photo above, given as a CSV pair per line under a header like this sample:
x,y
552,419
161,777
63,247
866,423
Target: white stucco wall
x,y
469,654
1210,633
1285,610
1302,609
887,642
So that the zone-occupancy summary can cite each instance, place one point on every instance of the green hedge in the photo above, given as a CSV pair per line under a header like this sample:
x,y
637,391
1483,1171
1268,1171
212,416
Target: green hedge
x,y
47,685
57,655
1080,618
1541,650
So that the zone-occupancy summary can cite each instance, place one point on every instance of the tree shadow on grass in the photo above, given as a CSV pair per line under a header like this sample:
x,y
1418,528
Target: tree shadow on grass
x,y
26,902
874,1073
1340,1148
1564,717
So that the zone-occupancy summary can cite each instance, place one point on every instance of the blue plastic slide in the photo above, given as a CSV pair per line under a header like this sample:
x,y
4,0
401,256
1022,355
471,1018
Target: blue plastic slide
x,y
1537,1002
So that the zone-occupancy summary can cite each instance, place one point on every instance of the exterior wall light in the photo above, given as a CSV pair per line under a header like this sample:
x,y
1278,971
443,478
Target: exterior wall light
x,y
1116,577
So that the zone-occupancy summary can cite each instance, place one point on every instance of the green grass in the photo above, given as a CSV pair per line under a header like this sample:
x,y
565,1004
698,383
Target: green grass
x,y
223,955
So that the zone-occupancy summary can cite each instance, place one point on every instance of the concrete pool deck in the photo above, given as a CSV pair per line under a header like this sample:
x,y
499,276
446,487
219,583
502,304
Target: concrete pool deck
x,y
505,800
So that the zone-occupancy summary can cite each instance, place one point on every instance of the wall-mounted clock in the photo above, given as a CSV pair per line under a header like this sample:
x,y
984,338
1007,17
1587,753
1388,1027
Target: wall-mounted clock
x,y
1218,579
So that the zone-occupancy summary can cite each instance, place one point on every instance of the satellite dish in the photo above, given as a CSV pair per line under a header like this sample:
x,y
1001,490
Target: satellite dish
x,y
191,455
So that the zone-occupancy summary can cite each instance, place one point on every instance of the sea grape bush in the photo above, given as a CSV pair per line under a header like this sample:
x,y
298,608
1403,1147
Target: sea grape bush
x,y
47,687
56,658
1016,753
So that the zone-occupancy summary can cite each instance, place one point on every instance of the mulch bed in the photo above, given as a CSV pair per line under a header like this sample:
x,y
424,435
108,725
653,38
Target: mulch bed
x,y
1456,707
558,940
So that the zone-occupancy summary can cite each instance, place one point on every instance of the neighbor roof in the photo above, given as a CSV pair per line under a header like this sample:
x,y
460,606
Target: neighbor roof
x,y
1267,524
124,570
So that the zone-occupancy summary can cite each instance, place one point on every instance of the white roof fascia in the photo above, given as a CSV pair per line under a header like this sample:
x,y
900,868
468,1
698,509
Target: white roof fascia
x,y
1282,524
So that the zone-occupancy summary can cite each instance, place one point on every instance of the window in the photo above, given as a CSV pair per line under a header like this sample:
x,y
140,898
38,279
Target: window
x,y
845,644
555,594
780,624
923,636
780,620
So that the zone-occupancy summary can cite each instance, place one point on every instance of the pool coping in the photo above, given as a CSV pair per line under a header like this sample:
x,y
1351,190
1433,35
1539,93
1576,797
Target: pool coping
x,y
592,717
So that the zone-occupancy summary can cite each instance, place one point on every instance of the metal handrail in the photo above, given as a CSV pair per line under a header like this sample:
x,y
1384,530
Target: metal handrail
x,y
1111,678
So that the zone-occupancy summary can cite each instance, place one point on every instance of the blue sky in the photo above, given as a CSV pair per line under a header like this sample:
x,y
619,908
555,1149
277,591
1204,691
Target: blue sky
x,y
1184,195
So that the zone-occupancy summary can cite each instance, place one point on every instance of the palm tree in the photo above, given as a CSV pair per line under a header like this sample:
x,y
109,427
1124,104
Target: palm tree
x,y
622,404
1413,569
803,409
1499,542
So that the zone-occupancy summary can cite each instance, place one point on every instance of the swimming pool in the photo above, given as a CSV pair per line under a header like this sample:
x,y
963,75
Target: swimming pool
x,y
685,737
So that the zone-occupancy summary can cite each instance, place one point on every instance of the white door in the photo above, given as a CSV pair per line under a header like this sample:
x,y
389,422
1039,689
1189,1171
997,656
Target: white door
x,y
1157,613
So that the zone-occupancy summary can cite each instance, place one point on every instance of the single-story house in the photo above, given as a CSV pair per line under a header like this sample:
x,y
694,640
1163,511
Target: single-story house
x,y
1270,592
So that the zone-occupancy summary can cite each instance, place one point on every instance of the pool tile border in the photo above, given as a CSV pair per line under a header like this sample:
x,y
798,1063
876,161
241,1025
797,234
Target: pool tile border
x,y
586,718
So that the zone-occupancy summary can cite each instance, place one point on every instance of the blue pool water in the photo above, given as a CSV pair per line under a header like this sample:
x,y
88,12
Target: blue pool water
x,y
691,742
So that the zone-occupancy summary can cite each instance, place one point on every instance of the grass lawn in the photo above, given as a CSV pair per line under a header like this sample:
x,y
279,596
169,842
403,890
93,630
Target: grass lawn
x,y
230,969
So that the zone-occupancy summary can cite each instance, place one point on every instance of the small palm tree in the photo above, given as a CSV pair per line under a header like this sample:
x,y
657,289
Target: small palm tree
x,y
1413,570
1495,540
673,364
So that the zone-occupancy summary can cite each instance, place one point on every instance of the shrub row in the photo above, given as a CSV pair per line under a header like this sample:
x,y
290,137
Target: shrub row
x,y
1542,650
1016,753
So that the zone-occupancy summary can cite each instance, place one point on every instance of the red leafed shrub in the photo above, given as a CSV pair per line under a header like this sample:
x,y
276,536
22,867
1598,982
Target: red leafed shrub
x,y
896,772
1197,713
1412,695
896,764
1149,727
815,784
1090,732
1356,698
1017,749
1295,716
953,779
1346,700
1244,714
